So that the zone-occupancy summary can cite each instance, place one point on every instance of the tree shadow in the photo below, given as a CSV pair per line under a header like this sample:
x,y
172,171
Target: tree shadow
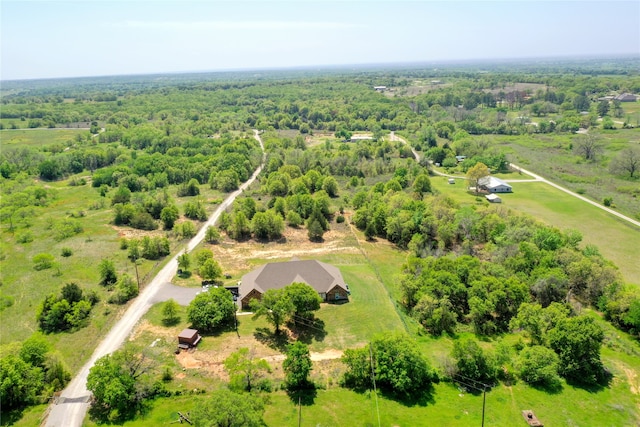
x,y
184,274
423,397
603,381
10,417
554,387
278,341
308,330
305,394
172,321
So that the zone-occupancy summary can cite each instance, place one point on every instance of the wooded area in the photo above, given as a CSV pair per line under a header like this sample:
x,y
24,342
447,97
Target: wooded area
x,y
151,158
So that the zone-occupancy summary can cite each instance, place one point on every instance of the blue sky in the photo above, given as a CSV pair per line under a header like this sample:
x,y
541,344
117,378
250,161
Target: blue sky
x,y
42,39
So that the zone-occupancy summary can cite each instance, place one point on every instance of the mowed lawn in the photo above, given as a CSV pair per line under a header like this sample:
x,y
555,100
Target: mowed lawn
x,y
617,240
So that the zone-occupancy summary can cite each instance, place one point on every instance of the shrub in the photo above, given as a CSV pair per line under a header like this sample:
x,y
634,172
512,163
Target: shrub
x,y
66,228
126,288
43,261
24,237
66,252
340,219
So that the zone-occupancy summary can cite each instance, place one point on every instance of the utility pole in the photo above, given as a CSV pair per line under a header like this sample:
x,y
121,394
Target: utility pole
x,y
484,399
299,410
135,263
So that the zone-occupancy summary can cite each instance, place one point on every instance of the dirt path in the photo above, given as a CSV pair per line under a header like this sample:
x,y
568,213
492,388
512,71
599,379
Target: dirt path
x,y
72,406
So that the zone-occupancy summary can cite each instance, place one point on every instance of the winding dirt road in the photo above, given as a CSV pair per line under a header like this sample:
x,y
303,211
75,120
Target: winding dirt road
x,y
71,407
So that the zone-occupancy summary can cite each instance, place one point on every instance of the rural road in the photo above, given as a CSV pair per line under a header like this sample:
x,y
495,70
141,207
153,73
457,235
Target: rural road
x,y
536,178
72,405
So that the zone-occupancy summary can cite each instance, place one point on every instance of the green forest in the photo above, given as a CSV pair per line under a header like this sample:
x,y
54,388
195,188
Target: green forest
x,y
104,179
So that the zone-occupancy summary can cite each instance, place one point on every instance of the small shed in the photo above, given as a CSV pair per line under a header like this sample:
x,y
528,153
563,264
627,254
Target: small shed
x,y
493,198
452,181
188,338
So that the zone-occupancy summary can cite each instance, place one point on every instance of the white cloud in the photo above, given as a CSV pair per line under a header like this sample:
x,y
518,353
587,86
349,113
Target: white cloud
x,y
240,25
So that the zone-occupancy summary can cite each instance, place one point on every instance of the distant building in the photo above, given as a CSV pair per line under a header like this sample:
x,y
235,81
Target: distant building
x,y
380,88
627,97
492,184
324,278
356,138
460,158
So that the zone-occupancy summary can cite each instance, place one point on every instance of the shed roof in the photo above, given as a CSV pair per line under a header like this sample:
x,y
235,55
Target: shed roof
x,y
492,182
188,333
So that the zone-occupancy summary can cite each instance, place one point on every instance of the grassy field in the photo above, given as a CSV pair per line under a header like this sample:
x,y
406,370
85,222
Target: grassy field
x,y
617,239
39,137
552,156
99,239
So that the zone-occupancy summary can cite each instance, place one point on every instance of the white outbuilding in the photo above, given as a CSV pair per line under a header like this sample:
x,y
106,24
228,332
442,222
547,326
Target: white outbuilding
x,y
493,198
494,185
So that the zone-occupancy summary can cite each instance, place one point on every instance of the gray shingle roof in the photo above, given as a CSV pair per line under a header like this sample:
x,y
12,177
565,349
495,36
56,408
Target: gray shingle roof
x,y
319,275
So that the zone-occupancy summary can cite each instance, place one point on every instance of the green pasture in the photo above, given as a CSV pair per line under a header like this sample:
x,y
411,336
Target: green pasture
x,y
27,287
447,404
39,137
551,156
616,239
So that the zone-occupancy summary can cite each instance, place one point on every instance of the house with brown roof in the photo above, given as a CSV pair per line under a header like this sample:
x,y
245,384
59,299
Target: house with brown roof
x,y
324,278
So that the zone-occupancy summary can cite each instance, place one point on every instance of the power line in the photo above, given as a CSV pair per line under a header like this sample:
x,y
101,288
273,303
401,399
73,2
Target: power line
x,y
483,390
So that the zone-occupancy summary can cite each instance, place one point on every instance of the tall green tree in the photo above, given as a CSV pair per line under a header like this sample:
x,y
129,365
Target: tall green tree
x,y
305,300
475,173
275,305
107,270
400,369
297,366
472,361
245,369
212,309
119,384
577,342
170,311
169,216
20,382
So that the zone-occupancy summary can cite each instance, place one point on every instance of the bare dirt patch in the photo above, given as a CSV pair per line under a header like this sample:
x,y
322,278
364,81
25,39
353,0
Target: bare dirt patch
x,y
632,378
235,257
168,334
132,233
